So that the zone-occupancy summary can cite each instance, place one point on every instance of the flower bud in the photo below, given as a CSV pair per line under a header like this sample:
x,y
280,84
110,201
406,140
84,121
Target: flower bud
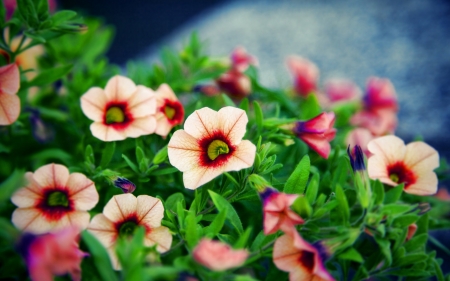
x,y
124,184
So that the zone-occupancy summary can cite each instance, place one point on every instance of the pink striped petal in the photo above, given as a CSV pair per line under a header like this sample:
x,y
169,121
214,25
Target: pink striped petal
x,y
9,109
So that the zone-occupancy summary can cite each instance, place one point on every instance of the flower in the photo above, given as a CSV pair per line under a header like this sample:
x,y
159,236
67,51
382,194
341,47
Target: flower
x,y
305,74
121,110
356,158
53,199
394,163
360,137
52,254
241,60
210,144
277,211
443,194
377,121
218,256
341,90
124,184
9,101
380,94
302,260
235,83
317,132
412,228
123,214
170,111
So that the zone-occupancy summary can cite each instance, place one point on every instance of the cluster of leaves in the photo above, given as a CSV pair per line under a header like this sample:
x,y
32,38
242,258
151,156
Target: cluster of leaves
x,y
367,238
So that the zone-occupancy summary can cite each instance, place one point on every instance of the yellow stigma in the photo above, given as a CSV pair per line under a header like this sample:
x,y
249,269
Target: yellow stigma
x,y
169,111
394,177
216,148
114,115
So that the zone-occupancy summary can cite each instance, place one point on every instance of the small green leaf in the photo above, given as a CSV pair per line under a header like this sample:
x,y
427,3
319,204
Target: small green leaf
x,y
140,155
243,239
165,171
11,184
89,154
107,154
62,16
222,204
393,194
160,156
191,236
171,202
131,164
48,76
100,257
258,115
385,249
309,108
405,220
313,189
227,101
378,191
302,207
352,254
343,205
244,105
416,242
216,225
296,182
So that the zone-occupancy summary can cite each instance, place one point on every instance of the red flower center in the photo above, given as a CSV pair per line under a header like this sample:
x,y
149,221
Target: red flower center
x,y
306,260
173,110
117,115
216,150
126,227
55,203
399,173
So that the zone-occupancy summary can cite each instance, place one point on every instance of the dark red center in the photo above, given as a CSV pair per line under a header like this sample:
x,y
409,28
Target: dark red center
x,y
55,203
400,173
173,106
306,260
127,226
204,143
127,117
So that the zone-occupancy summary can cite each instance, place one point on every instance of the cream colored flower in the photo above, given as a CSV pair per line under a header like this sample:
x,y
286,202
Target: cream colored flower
x,y
9,101
170,111
122,110
211,144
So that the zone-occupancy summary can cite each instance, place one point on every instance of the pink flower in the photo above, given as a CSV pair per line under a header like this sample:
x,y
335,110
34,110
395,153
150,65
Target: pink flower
x,y
277,212
210,144
123,214
394,163
341,90
9,101
317,132
361,137
378,122
218,256
380,94
53,199
443,194
303,261
53,254
121,110
240,59
305,74
235,83
412,228
170,111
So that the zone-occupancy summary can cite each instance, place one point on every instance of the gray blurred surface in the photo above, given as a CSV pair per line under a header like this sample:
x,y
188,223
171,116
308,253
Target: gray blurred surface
x,y
405,41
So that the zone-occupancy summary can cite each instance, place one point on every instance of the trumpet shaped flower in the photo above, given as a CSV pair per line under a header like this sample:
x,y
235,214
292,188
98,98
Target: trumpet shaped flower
x,y
235,83
241,60
305,75
170,111
52,254
317,132
123,214
218,256
211,144
277,212
380,94
394,163
53,199
302,260
9,101
121,110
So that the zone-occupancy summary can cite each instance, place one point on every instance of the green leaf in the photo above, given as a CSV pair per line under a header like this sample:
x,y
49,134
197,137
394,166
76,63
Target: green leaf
x,y
342,205
165,171
100,257
62,16
89,154
131,255
296,182
243,239
107,154
131,164
352,254
302,207
216,225
171,202
11,184
227,101
313,189
258,116
28,12
191,236
405,221
244,105
378,191
222,204
341,171
309,108
385,248
53,153
49,76
416,242
393,194
261,240
160,156
2,14
140,155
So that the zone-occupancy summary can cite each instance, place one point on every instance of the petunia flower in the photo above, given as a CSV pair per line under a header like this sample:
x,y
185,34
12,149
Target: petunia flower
x,y
277,212
302,260
378,121
235,83
53,199
305,75
394,163
170,111
412,228
380,94
121,110
126,185
9,101
52,254
443,194
211,144
339,90
123,214
317,132
218,256
241,60
360,137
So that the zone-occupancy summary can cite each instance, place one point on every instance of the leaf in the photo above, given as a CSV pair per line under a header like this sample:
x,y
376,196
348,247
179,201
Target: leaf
x,y
313,189
48,76
100,257
140,155
378,191
222,204
302,207
53,153
160,156
243,239
342,205
89,154
385,249
216,225
11,184
191,236
62,16
165,171
131,164
261,240
405,221
393,194
244,105
107,154
227,101
296,182
416,242
258,116
171,201
309,107
352,254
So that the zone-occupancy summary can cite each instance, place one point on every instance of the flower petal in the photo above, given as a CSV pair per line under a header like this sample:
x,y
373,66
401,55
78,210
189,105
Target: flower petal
x,y
233,122
201,123
106,133
419,156
285,256
9,109
141,126
9,79
142,102
120,207
93,104
150,211
52,175
79,219
25,197
119,88
103,229
183,151
82,191
243,157
426,184
161,236
198,176
164,91
390,147
377,169
30,220
318,143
